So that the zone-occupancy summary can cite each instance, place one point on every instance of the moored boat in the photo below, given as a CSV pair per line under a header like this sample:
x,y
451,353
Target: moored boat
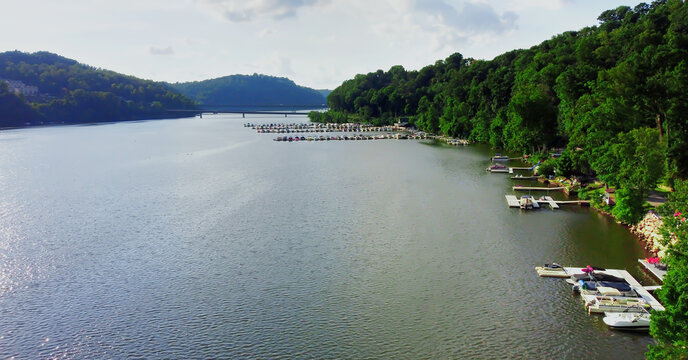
x,y
551,270
527,202
497,168
636,321
600,304
500,157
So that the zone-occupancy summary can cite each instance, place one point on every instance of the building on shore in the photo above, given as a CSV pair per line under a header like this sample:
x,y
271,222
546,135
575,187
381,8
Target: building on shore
x,y
18,87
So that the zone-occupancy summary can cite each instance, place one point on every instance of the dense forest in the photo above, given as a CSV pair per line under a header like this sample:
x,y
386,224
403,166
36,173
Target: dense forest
x,y
70,92
250,92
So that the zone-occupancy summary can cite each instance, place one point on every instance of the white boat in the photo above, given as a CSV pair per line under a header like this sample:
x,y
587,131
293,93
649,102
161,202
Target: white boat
x,y
551,270
500,157
638,321
601,304
527,202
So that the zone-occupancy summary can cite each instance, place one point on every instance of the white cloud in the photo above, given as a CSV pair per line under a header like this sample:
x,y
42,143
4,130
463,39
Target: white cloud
x,y
248,10
284,66
266,32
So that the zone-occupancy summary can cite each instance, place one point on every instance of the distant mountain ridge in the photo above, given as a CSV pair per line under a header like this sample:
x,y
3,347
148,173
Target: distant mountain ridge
x,y
250,92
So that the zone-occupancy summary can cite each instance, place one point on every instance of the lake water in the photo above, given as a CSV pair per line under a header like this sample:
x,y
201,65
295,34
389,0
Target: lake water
x,y
199,238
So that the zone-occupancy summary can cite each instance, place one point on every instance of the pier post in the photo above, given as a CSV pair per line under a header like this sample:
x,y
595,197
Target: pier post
x,y
243,115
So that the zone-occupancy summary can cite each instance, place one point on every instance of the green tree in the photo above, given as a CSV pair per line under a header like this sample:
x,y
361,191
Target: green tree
x,y
670,327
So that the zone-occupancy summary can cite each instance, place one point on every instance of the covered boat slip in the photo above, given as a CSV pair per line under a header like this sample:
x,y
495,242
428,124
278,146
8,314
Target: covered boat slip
x,y
513,201
642,292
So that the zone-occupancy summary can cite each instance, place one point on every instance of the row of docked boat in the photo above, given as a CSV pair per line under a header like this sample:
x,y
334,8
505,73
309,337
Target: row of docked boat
x,y
346,137
457,142
384,132
318,127
604,292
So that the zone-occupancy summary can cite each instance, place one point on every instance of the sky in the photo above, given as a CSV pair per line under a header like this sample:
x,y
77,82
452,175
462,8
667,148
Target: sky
x,y
316,43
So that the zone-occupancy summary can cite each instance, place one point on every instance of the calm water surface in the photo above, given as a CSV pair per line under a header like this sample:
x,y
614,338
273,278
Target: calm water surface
x,y
199,238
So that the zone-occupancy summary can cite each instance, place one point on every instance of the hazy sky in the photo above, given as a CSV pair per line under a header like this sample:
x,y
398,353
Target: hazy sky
x,y
317,43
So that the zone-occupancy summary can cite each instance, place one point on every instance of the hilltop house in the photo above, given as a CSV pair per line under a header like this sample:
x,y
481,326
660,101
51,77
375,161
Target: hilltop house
x,y
18,87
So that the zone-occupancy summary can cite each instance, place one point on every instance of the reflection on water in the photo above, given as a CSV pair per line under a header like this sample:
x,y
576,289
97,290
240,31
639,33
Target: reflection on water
x,y
200,238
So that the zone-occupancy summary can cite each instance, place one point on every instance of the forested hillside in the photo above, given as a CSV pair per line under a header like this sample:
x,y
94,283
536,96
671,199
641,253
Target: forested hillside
x,y
70,92
249,91
590,91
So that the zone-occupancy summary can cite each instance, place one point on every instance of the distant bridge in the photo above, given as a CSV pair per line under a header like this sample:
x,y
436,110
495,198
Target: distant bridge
x,y
251,109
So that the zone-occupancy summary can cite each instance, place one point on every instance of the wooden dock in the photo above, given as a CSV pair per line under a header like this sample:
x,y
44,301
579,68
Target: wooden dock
x,y
512,201
536,188
642,292
536,204
524,177
659,274
548,200
573,202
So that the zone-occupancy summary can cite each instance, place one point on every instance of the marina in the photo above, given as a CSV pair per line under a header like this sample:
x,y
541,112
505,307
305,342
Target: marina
x,y
642,292
603,296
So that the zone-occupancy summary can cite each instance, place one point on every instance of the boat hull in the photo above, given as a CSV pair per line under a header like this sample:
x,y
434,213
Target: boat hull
x,y
548,272
627,321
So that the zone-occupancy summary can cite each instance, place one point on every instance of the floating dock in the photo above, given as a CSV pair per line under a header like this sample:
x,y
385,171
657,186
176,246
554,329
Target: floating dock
x,y
524,177
536,188
659,274
641,290
512,201
574,202
548,200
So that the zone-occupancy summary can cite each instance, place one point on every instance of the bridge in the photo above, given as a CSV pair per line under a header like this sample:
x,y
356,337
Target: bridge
x,y
251,109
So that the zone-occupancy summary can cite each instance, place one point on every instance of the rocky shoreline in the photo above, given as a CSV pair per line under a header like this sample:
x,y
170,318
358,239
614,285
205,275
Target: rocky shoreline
x,y
648,232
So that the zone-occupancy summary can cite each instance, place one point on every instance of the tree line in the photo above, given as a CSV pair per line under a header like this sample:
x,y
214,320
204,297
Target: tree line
x,y
71,92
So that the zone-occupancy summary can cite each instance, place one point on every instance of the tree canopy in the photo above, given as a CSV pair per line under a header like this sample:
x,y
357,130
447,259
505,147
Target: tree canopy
x,y
250,91
70,92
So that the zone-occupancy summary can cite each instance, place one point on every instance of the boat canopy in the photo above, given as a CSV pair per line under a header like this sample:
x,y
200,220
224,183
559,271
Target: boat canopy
x,y
592,285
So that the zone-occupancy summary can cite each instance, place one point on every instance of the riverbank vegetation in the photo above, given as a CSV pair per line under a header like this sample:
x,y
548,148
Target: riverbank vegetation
x,y
70,92
670,327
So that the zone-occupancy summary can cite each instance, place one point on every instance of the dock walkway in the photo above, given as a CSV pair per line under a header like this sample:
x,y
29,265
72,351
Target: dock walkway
x,y
512,201
548,200
524,177
535,188
659,274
